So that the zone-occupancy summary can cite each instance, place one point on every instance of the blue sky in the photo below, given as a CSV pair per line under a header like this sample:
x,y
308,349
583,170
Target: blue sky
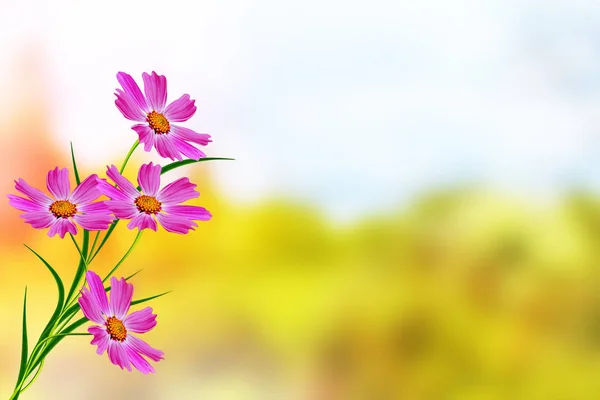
x,y
351,106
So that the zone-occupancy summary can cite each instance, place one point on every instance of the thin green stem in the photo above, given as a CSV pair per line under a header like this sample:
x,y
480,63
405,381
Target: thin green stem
x,y
135,241
83,258
135,145
93,245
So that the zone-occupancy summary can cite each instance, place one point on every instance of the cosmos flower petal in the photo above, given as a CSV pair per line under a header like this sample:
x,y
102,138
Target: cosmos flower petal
x,y
93,222
57,182
175,223
86,191
140,321
166,148
126,186
101,338
114,193
139,362
123,209
39,219
62,226
144,348
25,204
133,91
97,290
181,109
121,294
117,355
177,192
89,306
187,149
155,87
128,107
190,212
146,135
149,178
190,136
34,194
143,221
94,208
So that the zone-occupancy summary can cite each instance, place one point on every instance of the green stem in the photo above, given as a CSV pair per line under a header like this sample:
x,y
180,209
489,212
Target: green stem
x,y
93,245
135,241
135,145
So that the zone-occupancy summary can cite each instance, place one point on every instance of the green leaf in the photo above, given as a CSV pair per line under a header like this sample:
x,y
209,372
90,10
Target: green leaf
x,y
81,268
134,302
74,165
178,164
61,294
24,349
104,239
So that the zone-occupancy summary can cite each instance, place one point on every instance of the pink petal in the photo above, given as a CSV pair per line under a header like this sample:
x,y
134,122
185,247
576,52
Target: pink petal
x,y
121,293
117,354
25,204
122,209
33,193
128,107
114,193
140,321
177,192
101,338
166,148
149,178
94,208
145,134
190,212
97,290
133,90
190,136
139,362
89,306
187,149
144,348
143,221
94,222
175,224
86,191
62,226
58,184
39,219
122,182
180,110
155,87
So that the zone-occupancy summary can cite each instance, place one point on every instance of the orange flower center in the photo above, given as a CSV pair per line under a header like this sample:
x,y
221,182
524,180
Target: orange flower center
x,y
148,204
116,329
158,122
63,209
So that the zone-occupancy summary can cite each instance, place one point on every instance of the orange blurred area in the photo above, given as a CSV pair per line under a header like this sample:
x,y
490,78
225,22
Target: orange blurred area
x,y
464,294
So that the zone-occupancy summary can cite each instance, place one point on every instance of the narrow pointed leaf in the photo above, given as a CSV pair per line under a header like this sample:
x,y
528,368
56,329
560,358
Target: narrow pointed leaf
x,y
75,165
134,302
178,164
24,348
61,294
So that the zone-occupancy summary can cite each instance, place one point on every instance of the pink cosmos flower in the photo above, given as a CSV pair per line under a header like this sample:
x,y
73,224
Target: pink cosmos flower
x,y
150,205
61,212
116,325
156,129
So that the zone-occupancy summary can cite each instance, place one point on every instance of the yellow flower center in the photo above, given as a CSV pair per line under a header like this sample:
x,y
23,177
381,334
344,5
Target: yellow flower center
x,y
116,329
158,122
148,204
63,209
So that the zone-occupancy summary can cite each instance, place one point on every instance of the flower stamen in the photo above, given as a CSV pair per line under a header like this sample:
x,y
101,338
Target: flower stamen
x,y
158,123
116,329
148,204
63,209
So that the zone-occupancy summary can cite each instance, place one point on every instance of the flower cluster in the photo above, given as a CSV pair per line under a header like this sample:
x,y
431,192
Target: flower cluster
x,y
98,204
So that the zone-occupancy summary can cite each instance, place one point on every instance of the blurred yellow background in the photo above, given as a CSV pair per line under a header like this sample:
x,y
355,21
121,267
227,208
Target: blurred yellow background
x,y
413,212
